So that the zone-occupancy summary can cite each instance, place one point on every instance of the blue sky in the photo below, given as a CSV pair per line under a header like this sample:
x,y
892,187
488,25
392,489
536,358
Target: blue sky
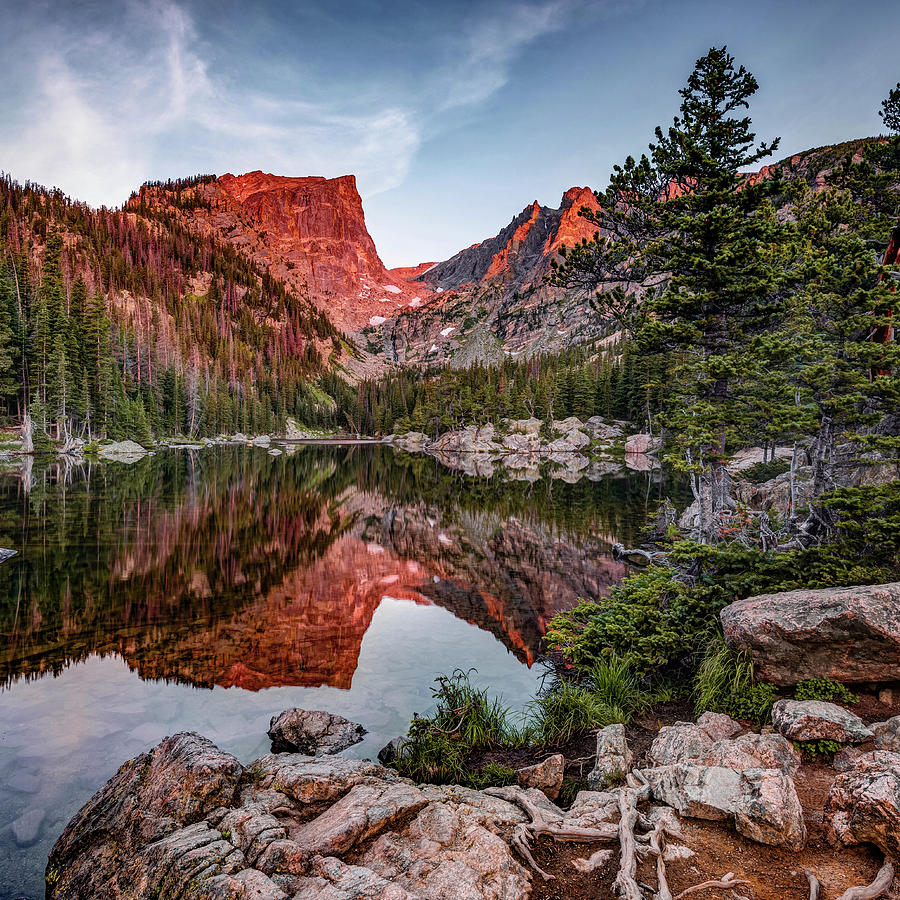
x,y
453,115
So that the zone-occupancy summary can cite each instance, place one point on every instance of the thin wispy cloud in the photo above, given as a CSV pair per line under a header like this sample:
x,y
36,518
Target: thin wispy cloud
x,y
144,96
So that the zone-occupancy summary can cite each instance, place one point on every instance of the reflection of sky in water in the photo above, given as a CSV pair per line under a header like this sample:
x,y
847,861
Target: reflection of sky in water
x,y
99,713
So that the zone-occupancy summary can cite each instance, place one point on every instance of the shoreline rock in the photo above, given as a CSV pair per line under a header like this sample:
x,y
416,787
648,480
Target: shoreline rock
x,y
849,634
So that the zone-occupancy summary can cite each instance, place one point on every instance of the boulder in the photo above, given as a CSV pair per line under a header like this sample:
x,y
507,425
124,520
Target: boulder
x,y
391,750
367,810
846,758
571,442
755,751
642,443
6,554
719,726
312,731
147,817
261,440
681,742
848,634
887,734
863,805
762,803
414,441
444,854
531,427
817,720
775,494
613,759
521,443
473,439
751,456
573,423
546,776
602,431
122,451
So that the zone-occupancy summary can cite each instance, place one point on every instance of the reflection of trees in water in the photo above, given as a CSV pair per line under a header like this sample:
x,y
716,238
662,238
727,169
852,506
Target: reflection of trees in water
x,y
176,562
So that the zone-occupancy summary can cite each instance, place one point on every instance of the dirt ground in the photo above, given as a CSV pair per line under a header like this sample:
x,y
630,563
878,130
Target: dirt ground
x,y
773,873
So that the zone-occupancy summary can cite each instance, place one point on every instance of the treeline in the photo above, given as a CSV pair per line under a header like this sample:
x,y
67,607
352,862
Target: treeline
x,y
116,325
589,380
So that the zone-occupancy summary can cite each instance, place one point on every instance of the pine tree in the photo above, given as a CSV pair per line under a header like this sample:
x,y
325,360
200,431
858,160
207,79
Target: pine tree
x,y
687,225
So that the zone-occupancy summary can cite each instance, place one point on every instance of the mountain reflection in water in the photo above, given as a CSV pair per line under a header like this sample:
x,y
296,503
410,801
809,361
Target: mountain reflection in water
x,y
232,567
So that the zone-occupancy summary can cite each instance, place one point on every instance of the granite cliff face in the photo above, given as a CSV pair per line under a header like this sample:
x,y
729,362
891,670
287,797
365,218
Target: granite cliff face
x,y
492,298
309,233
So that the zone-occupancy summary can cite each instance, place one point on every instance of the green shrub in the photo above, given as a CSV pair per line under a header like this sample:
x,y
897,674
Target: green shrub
x,y
466,712
429,755
824,689
725,683
492,774
765,471
568,710
817,749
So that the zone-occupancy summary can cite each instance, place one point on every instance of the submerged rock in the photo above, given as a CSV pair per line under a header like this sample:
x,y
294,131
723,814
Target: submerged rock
x,y
312,731
849,634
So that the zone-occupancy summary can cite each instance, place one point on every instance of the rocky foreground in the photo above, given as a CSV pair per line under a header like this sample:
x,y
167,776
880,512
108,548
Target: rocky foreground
x,y
187,820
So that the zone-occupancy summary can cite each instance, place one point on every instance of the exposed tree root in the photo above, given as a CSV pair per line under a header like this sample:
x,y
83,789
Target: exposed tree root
x,y
728,881
814,886
878,888
545,822
594,861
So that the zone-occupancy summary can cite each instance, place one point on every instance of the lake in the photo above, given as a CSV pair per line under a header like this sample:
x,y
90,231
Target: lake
x,y
207,590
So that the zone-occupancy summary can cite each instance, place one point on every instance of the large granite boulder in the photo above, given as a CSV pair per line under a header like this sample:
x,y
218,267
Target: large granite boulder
x,y
817,720
122,451
848,634
754,751
642,443
414,441
147,817
472,439
186,820
762,803
863,805
685,741
312,731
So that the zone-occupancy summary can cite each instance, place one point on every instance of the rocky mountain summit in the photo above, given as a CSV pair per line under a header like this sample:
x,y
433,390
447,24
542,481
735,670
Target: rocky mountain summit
x,y
308,232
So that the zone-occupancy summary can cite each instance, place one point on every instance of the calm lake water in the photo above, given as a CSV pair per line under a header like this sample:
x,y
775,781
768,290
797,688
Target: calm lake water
x,y
208,590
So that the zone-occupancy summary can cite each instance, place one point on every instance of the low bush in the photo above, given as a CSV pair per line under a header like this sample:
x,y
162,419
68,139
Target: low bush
x,y
814,750
568,710
824,689
725,683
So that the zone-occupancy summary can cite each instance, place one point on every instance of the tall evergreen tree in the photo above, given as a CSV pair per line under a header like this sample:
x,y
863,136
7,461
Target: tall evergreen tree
x,y
699,238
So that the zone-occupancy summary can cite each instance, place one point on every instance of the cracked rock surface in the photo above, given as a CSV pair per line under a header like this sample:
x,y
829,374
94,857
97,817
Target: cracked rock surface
x,y
186,820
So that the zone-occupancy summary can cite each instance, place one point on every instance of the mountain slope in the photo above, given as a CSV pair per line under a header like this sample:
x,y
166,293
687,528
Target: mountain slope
x,y
310,233
492,298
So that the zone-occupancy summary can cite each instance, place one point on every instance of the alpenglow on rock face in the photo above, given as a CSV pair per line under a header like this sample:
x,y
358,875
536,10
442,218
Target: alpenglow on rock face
x,y
848,634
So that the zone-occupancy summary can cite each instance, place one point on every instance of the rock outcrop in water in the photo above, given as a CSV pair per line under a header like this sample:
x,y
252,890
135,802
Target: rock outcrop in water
x,y
188,821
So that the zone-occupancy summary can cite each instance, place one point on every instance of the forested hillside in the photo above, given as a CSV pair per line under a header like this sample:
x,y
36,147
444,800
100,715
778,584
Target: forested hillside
x,y
119,324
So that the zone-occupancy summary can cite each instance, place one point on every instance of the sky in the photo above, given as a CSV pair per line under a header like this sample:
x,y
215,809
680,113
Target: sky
x,y
453,115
